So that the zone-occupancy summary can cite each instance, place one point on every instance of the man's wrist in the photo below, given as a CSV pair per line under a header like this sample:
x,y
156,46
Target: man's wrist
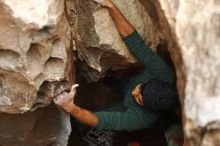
x,y
71,108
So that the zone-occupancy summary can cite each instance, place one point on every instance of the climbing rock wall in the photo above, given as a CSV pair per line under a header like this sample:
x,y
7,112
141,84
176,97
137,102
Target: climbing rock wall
x,y
35,64
199,37
191,29
37,37
44,127
196,24
97,40
34,61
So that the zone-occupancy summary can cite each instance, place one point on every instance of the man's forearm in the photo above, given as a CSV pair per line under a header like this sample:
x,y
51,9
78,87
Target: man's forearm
x,y
123,25
84,116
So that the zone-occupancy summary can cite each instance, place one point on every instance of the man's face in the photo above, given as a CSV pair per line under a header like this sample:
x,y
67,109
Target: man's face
x,y
136,93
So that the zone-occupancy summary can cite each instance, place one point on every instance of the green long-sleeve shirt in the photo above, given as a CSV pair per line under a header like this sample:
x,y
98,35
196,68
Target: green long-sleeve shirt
x,y
136,117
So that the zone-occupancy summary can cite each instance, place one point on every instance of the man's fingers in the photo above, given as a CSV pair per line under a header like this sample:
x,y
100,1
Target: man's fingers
x,y
57,100
65,95
61,97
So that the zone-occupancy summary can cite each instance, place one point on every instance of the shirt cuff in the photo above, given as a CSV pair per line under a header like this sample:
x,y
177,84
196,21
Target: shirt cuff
x,y
132,38
100,123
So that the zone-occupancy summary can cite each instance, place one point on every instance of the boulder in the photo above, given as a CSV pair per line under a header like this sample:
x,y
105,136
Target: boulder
x,y
35,54
48,126
36,42
191,31
97,40
35,65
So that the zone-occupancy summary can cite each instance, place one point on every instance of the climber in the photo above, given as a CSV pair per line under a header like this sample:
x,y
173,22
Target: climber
x,y
147,95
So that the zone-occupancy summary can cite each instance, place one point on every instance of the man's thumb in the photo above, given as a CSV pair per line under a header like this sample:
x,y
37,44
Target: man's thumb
x,y
72,91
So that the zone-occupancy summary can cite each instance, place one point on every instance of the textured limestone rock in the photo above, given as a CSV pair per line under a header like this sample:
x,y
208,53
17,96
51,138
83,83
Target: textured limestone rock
x,y
98,42
195,26
35,64
34,58
43,127
201,42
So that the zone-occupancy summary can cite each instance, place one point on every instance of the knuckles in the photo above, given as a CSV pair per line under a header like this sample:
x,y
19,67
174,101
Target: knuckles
x,y
62,97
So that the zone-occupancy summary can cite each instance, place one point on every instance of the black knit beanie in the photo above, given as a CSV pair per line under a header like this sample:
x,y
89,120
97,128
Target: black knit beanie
x,y
159,96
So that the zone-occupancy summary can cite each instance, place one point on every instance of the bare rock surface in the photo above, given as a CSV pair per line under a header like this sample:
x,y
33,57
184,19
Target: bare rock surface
x,y
34,58
196,25
44,127
202,103
36,62
97,40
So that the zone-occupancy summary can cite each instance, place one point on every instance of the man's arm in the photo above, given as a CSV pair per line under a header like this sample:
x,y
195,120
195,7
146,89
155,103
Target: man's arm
x,y
123,25
84,116
129,120
125,28
66,101
136,45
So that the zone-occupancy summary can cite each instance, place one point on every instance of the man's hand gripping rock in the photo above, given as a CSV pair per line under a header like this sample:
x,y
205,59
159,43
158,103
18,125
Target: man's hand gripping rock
x,y
66,99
